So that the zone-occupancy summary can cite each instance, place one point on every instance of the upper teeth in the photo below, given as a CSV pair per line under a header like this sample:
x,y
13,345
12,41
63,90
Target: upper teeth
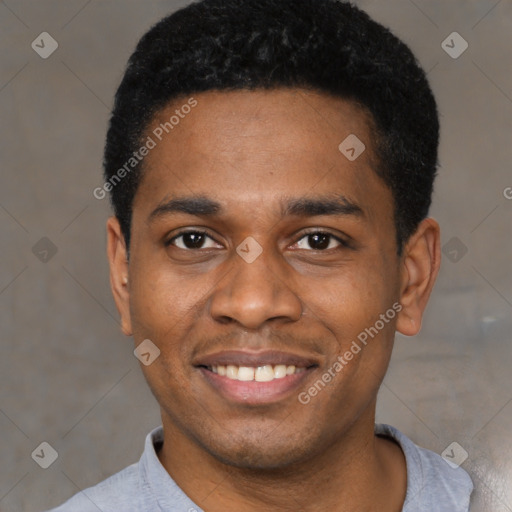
x,y
260,374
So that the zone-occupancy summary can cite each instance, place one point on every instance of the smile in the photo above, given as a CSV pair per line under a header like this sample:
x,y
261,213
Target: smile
x,y
255,378
265,373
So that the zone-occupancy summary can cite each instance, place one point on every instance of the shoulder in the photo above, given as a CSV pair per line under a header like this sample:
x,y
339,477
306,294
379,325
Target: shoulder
x,y
432,483
129,490
118,492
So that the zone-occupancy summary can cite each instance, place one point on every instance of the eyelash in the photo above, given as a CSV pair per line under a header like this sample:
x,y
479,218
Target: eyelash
x,y
343,243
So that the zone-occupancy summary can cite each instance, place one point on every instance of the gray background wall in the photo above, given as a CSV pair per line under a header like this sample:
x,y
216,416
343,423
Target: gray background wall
x,y
67,375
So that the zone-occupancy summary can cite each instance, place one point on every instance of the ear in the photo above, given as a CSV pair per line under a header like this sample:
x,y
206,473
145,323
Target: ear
x,y
118,261
420,265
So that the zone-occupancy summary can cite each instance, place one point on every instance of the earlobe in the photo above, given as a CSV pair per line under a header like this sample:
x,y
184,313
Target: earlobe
x,y
420,266
118,261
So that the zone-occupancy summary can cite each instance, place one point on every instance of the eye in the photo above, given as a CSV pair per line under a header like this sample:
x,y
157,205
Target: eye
x,y
320,241
190,240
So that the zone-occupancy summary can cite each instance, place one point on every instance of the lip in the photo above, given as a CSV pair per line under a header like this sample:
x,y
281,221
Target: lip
x,y
261,358
253,392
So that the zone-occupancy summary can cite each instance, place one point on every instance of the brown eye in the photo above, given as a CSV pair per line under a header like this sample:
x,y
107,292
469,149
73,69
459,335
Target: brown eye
x,y
320,241
190,240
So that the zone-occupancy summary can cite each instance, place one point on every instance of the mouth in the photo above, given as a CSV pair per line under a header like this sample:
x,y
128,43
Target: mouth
x,y
255,378
264,373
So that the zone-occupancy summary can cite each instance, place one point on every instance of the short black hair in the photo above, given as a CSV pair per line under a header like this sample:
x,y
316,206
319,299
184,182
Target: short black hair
x,y
323,45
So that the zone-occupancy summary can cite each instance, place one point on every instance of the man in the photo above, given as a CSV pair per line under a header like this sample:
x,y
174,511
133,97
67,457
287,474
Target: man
x,y
271,167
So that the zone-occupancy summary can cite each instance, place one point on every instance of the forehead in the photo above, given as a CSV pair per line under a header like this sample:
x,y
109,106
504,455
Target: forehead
x,y
251,146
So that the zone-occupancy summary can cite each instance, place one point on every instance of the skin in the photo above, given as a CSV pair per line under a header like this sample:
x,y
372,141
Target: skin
x,y
251,151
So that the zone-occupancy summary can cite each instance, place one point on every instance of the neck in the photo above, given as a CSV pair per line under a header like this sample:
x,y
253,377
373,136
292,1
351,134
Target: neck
x,y
358,472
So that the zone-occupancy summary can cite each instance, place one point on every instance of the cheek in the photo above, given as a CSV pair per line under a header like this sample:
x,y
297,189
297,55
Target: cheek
x,y
350,301
350,307
162,303
163,310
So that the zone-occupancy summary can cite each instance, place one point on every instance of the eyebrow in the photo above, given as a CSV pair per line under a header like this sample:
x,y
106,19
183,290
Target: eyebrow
x,y
310,207
201,206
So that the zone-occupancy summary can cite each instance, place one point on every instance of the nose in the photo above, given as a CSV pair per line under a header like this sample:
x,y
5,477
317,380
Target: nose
x,y
251,294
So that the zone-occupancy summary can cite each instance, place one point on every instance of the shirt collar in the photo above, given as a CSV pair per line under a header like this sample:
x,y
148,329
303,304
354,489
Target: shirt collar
x,y
156,483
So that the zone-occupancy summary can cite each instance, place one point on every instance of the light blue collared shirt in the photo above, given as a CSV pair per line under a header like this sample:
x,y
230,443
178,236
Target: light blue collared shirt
x,y
432,484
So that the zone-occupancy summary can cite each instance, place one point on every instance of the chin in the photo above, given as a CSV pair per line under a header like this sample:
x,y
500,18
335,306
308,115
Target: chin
x,y
264,454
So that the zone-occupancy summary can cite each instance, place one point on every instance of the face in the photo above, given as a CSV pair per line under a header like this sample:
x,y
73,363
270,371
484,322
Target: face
x,y
259,254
